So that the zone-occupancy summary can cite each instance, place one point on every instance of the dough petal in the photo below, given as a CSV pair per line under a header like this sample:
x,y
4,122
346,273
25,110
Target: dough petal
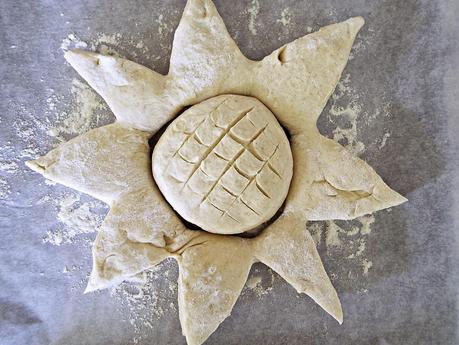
x,y
296,80
205,60
136,94
116,258
213,271
139,232
287,247
103,162
146,217
330,183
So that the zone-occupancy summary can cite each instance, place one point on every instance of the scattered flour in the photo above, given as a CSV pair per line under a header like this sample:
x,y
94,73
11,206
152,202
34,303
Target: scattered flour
x,y
87,110
4,189
106,43
347,113
362,41
366,266
286,18
253,11
64,116
358,45
9,167
316,229
347,110
253,282
102,38
70,269
360,249
73,41
164,29
28,128
332,234
144,297
162,24
349,238
366,222
384,140
62,119
76,217
346,131
260,282
84,115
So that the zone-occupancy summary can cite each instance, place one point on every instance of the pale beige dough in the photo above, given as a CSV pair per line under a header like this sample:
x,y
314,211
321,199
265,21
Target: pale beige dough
x,y
225,164
112,163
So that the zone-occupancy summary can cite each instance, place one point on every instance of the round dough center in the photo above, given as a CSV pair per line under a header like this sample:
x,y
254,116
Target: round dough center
x,y
225,164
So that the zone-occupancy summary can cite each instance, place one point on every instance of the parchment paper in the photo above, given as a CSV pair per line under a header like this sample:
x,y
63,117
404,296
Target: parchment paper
x,y
408,66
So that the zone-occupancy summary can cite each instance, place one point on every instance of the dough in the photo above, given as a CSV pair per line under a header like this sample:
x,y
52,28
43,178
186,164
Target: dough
x,y
225,164
112,163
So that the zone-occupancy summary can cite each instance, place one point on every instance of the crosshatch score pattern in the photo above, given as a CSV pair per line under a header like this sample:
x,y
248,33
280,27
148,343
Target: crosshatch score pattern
x,y
224,164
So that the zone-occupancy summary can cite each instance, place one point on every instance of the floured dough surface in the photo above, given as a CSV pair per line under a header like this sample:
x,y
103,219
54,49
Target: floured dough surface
x,y
225,164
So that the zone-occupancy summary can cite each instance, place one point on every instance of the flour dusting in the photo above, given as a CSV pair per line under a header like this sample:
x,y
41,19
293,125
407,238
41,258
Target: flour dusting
x,y
76,217
286,18
346,238
384,140
109,44
82,110
347,113
346,109
84,114
366,265
162,24
69,115
316,230
4,189
253,11
253,282
10,167
145,297
260,282
366,222
332,234
73,41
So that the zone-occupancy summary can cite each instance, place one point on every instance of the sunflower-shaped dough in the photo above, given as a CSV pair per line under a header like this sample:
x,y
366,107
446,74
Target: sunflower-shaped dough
x,y
113,164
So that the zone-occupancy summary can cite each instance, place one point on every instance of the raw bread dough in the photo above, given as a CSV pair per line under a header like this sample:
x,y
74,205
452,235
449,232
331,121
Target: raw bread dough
x,y
141,229
224,164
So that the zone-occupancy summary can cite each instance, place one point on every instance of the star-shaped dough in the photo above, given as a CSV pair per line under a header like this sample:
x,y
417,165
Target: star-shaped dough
x,y
112,163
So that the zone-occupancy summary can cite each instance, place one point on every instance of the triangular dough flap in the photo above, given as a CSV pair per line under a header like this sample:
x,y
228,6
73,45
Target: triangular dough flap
x,y
330,183
116,258
287,247
137,95
212,273
95,162
296,80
